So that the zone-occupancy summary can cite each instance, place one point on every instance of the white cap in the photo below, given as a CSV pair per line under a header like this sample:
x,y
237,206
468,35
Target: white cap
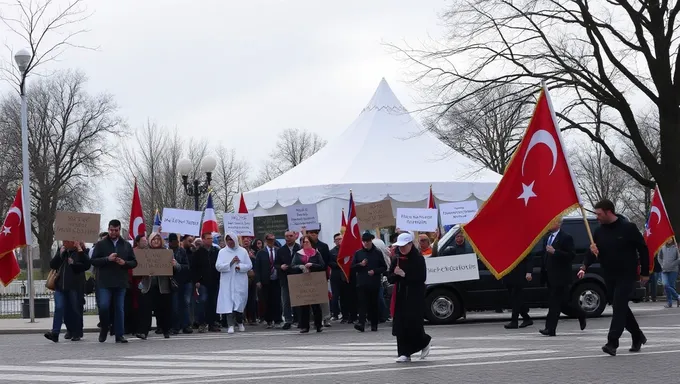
x,y
404,239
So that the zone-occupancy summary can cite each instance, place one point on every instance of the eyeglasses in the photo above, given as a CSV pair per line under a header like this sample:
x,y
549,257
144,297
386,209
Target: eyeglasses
x,y
271,239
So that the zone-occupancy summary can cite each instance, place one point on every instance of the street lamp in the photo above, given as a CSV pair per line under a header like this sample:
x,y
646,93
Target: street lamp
x,y
197,188
23,59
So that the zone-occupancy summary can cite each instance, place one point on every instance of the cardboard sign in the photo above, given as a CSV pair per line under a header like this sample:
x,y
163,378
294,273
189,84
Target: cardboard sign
x,y
153,262
303,216
275,224
375,215
239,223
417,219
460,212
75,226
308,288
447,269
181,221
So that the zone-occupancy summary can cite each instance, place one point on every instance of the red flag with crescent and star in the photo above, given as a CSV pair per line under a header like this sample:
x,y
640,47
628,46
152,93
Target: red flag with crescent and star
x,y
12,236
537,187
658,229
137,225
351,240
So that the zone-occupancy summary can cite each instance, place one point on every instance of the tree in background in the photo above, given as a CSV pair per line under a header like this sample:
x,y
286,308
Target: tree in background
x,y
292,148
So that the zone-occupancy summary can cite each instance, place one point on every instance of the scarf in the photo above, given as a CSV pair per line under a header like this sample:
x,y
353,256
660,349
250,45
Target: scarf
x,y
307,254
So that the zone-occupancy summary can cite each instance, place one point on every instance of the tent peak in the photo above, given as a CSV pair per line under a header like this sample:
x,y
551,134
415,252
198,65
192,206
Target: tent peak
x,y
384,99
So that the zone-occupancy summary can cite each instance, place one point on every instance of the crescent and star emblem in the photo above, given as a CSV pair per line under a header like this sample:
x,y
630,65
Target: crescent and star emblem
x,y
135,225
7,230
654,210
353,224
539,137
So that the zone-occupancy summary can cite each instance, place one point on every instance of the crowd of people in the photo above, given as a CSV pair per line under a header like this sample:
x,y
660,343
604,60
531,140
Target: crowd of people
x,y
243,281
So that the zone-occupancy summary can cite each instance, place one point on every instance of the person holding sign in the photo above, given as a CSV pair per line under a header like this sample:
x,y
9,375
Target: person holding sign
x,y
233,264
156,296
408,273
307,260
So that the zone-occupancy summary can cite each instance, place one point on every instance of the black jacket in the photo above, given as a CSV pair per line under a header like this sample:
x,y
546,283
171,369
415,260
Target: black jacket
x,y
556,269
71,276
203,267
621,249
262,266
336,271
284,256
324,251
109,273
376,263
517,277
316,260
182,275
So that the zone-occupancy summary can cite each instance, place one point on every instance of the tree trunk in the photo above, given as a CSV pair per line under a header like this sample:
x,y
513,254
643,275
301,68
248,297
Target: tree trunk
x,y
669,179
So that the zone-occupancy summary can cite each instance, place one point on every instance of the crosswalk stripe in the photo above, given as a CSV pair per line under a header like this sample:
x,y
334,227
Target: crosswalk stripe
x,y
173,364
33,378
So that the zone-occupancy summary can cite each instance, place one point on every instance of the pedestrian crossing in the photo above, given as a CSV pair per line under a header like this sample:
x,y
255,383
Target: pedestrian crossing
x,y
238,364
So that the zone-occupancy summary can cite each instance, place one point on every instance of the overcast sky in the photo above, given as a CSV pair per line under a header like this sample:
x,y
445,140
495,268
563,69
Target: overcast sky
x,y
241,71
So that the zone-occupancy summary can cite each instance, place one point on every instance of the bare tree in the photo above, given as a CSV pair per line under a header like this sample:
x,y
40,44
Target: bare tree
x,y
618,54
230,178
69,139
487,127
292,148
597,177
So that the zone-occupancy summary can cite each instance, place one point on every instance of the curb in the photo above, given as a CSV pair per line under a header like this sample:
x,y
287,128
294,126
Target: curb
x,y
29,331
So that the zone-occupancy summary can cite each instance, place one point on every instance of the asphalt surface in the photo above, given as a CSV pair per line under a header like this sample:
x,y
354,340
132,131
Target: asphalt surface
x,y
481,352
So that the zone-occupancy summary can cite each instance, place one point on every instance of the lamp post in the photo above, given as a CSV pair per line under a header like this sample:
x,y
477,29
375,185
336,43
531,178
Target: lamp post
x,y
23,60
196,188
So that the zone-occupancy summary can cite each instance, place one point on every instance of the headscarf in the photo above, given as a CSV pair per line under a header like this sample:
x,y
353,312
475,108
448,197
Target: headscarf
x,y
383,248
233,236
153,235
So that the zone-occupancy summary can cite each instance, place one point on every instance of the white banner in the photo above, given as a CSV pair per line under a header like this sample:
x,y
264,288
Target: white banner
x,y
181,221
239,223
417,219
460,212
303,216
447,269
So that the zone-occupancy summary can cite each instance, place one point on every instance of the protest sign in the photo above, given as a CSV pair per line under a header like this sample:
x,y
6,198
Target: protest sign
x,y
302,216
153,262
375,215
76,226
239,223
460,212
182,221
417,219
447,269
308,289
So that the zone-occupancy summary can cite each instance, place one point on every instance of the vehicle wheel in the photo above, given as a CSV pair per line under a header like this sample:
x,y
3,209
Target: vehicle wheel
x,y
589,298
442,307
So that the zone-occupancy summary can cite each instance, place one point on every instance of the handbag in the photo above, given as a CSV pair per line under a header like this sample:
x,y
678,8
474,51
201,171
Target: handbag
x,y
51,282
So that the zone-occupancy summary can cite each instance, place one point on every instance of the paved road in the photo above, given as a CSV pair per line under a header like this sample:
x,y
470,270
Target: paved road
x,y
472,352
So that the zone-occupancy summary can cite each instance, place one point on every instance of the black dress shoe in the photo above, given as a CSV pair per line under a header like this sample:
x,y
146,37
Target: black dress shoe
x,y
582,322
142,336
546,332
319,329
511,325
159,331
359,327
53,337
608,349
187,331
166,335
374,328
286,326
304,330
103,333
175,331
121,340
76,338
67,335
526,323
637,344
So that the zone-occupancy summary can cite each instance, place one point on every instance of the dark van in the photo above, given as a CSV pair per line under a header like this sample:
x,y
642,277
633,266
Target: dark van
x,y
447,302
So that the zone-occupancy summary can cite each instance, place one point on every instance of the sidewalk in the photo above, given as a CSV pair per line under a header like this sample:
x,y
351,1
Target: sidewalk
x,y
23,326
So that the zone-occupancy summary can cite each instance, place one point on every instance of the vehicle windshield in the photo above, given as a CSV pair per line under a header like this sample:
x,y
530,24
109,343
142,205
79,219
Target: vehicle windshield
x,y
448,235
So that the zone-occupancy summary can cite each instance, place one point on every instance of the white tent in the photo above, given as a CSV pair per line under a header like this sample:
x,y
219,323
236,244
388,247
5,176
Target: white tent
x,y
385,153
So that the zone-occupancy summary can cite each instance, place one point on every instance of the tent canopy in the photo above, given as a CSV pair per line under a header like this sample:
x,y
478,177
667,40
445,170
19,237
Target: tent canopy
x,y
384,153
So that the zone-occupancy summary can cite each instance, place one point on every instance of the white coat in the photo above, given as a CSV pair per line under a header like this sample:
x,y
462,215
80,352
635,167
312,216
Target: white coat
x,y
233,294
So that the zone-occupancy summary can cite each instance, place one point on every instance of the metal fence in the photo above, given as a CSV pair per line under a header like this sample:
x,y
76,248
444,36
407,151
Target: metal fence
x,y
14,300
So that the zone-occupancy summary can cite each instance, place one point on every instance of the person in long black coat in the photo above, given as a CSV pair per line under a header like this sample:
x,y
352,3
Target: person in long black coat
x,y
516,281
408,273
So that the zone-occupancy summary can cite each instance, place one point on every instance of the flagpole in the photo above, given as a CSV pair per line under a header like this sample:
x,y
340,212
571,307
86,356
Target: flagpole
x,y
585,221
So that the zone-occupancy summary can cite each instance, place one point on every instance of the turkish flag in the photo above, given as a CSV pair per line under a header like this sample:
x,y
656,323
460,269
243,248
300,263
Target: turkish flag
x,y
9,268
12,233
242,205
343,223
137,225
537,187
658,229
351,240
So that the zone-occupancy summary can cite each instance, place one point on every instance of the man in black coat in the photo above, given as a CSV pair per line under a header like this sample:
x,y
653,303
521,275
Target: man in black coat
x,y
284,258
368,265
206,281
181,296
557,273
267,281
516,281
620,249
112,257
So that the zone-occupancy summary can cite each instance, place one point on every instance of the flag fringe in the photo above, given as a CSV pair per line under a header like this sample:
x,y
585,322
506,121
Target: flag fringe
x,y
503,273
651,265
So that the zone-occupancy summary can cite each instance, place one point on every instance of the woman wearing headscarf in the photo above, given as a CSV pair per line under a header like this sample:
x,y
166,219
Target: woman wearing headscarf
x,y
308,260
233,264
156,296
408,273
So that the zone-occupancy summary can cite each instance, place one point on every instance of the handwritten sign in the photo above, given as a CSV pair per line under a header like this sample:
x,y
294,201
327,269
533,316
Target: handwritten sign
x,y
417,219
153,262
75,226
239,223
302,216
447,269
181,221
460,212
375,215
308,289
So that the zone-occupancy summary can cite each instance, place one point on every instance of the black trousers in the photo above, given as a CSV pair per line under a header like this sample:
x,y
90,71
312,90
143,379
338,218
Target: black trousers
x,y
618,294
412,342
155,302
304,316
517,303
251,305
557,300
211,305
369,306
270,294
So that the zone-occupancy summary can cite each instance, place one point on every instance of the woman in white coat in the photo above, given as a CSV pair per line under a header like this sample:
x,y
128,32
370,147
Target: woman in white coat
x,y
233,264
